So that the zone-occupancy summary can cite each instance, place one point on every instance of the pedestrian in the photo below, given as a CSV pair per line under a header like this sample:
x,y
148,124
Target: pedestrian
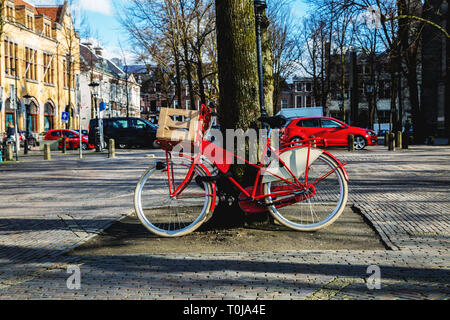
x,y
10,131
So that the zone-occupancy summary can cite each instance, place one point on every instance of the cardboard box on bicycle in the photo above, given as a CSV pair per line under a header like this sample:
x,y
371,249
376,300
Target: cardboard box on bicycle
x,y
176,129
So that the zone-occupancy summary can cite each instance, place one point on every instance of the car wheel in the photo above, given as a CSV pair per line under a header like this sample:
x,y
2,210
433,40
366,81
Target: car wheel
x,y
360,143
85,146
155,145
296,139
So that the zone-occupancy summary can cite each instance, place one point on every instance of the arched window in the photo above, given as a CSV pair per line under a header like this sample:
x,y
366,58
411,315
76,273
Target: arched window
x,y
10,114
31,116
49,114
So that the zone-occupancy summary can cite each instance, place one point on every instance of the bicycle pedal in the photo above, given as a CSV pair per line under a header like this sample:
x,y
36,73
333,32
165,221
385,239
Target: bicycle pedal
x,y
160,165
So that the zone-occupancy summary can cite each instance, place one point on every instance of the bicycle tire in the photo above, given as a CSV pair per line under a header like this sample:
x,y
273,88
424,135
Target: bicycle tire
x,y
152,184
286,215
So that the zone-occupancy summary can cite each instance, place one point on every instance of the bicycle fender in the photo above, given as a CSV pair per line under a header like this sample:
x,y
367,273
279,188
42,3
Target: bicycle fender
x,y
295,159
340,164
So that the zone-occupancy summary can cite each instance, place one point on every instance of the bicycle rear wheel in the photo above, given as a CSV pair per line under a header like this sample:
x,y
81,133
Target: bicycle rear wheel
x,y
173,216
322,204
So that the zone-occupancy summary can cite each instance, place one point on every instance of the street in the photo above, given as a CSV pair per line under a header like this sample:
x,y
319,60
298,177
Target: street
x,y
50,208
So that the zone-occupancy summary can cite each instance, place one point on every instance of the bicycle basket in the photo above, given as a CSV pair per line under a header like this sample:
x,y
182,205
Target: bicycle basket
x,y
177,125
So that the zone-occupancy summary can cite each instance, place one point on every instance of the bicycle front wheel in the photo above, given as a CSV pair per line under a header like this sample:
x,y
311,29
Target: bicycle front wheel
x,y
320,205
174,216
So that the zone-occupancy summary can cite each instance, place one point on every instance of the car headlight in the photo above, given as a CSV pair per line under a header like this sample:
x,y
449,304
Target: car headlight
x,y
370,133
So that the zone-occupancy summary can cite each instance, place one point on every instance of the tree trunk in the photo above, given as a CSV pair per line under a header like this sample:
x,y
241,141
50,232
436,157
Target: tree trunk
x,y
178,84
238,74
238,83
268,67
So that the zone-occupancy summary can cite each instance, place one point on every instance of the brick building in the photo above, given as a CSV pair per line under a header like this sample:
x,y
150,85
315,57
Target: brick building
x,y
40,61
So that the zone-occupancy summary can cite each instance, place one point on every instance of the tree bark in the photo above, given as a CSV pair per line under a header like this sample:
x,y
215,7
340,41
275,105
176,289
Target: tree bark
x,y
238,83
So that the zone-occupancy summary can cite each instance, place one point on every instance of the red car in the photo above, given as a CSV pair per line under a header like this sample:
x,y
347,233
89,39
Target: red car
x,y
333,131
70,135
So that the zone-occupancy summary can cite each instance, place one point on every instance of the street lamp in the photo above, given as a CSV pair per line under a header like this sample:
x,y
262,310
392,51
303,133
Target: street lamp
x,y
99,128
27,102
260,6
16,114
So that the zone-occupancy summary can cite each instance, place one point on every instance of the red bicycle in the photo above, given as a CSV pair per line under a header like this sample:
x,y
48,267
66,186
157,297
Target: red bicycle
x,y
303,187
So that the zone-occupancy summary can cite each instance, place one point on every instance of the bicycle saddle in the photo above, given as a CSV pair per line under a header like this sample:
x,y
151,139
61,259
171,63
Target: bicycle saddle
x,y
276,122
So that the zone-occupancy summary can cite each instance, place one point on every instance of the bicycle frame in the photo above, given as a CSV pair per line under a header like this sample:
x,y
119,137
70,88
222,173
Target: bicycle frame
x,y
254,193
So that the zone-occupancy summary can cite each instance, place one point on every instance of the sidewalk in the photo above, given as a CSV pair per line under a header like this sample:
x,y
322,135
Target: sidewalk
x,y
55,206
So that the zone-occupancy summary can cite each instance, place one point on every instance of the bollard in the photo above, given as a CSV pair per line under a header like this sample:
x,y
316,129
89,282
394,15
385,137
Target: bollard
x,y
9,153
386,139
64,146
351,143
405,140
391,142
398,140
111,149
47,152
25,146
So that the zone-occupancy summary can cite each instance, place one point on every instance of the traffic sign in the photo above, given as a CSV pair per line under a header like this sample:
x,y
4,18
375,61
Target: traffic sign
x,y
65,117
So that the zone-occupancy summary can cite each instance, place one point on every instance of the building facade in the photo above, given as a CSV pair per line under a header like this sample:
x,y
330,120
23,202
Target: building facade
x,y
158,91
296,94
39,65
118,93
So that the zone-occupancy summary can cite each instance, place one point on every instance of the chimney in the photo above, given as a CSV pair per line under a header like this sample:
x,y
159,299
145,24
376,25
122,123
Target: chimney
x,y
88,44
98,51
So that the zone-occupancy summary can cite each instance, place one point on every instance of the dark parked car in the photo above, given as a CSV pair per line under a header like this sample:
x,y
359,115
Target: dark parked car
x,y
126,132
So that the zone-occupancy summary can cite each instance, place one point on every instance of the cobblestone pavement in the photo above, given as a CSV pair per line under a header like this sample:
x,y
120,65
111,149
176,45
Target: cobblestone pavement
x,y
49,208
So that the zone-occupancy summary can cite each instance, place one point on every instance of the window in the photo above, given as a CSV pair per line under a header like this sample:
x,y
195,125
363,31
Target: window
x,y
284,104
11,58
10,12
56,134
32,112
308,87
298,86
49,69
68,77
330,124
69,134
298,102
308,101
309,123
30,64
188,104
120,124
10,114
47,30
139,124
48,117
29,22
384,89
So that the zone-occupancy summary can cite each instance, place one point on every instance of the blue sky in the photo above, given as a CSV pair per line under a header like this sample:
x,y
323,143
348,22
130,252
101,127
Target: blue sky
x,y
101,17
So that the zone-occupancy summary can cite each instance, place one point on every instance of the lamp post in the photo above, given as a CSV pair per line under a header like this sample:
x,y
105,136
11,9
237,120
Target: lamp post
x,y
260,6
94,91
27,101
16,114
